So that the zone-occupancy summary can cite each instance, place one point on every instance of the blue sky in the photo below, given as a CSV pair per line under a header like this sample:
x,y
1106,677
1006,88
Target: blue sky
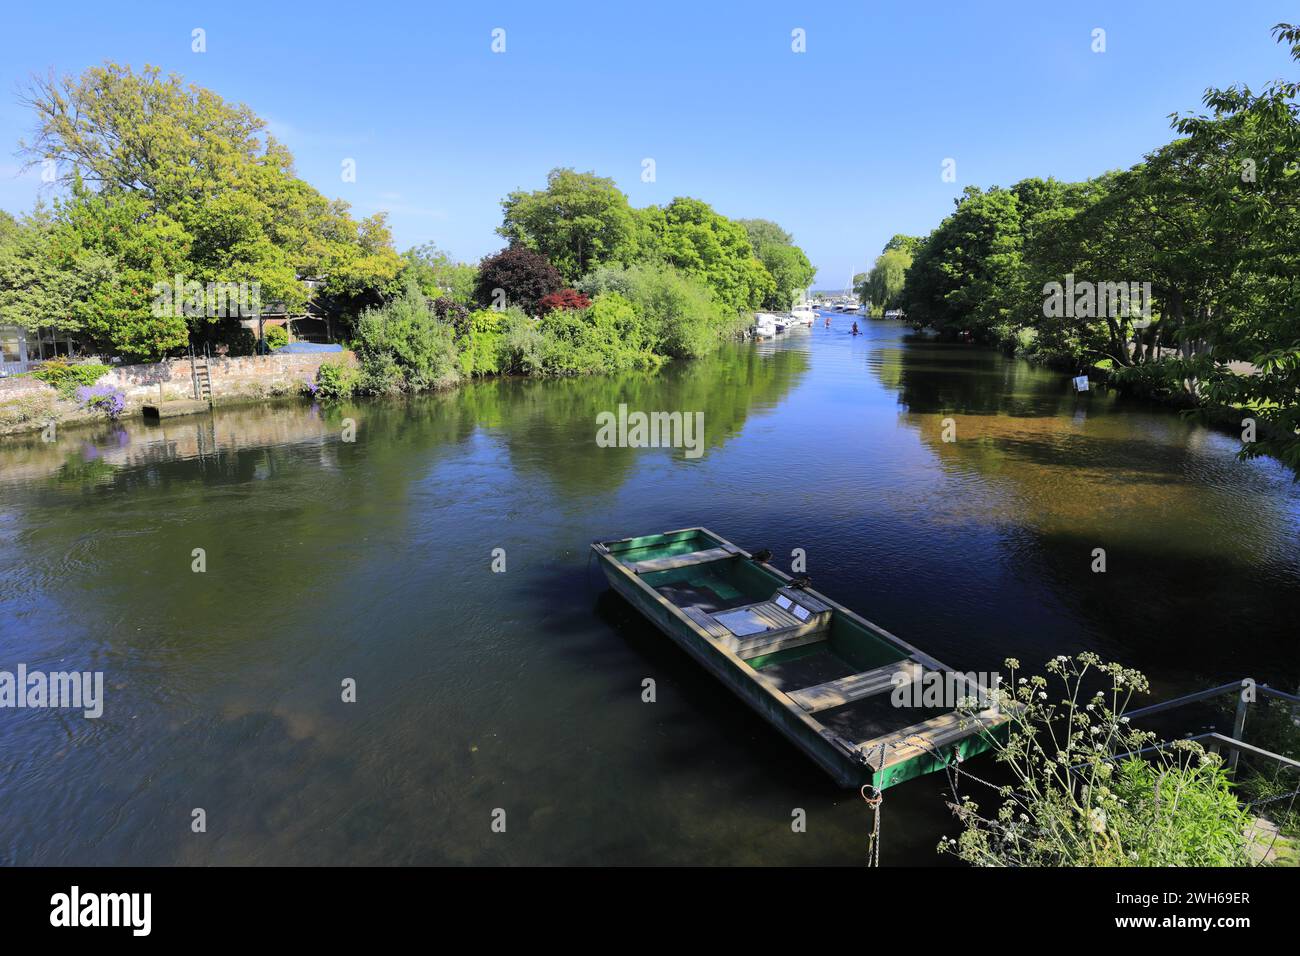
x,y
842,144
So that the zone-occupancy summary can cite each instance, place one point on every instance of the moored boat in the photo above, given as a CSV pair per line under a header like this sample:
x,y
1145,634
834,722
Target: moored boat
x,y
827,679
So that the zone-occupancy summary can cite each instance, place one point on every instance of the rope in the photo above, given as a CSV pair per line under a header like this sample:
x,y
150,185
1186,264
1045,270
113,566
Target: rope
x,y
874,802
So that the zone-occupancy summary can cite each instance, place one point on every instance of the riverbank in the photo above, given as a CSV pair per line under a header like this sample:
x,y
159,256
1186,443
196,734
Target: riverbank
x,y
29,405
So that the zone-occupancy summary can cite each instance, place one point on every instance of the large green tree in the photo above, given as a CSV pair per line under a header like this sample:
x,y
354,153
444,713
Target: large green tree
x,y
968,274
578,221
689,235
204,174
787,263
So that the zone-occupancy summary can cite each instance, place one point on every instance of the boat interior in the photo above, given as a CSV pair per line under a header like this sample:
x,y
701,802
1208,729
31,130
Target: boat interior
x,y
827,662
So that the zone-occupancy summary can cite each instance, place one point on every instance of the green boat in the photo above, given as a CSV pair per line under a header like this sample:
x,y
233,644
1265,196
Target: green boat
x,y
823,676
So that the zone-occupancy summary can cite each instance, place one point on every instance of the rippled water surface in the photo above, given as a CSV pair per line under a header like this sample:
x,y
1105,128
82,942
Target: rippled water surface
x,y
371,560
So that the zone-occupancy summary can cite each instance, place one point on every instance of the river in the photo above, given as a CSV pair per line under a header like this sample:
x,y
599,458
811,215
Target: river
x,y
371,560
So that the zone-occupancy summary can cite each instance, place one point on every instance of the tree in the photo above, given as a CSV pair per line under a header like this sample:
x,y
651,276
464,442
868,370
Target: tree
x,y
902,243
968,274
690,236
578,221
884,284
41,280
130,251
788,265
437,273
212,178
518,276
564,300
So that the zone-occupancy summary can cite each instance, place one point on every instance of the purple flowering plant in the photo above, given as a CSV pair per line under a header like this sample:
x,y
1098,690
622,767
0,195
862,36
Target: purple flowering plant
x,y
104,397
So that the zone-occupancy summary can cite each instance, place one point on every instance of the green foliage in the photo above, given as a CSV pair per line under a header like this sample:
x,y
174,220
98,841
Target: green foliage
x,y
606,337
902,243
789,267
337,381
39,283
520,350
688,235
677,315
276,336
966,277
170,180
482,347
65,377
403,346
438,274
578,221
884,284
1076,799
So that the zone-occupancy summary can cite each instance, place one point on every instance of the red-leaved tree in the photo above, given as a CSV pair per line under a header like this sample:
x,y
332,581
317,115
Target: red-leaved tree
x,y
562,300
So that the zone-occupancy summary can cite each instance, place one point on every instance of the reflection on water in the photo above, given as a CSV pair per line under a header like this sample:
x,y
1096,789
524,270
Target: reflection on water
x,y
370,560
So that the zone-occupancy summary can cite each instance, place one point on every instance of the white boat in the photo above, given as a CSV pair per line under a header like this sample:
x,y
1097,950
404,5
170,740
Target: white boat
x,y
803,315
766,325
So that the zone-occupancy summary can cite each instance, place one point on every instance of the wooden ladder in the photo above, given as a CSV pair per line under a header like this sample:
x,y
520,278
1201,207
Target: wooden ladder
x,y
202,376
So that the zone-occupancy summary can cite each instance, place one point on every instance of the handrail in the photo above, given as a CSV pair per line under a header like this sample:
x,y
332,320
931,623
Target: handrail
x,y
1238,720
1212,692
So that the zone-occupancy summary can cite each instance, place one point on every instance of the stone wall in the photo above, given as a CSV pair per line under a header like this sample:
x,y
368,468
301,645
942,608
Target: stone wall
x,y
27,404
251,376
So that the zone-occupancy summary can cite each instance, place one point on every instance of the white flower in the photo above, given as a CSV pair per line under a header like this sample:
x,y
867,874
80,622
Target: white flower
x,y
1097,820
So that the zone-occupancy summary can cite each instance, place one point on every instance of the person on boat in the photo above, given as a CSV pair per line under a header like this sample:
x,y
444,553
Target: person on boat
x,y
828,321
855,329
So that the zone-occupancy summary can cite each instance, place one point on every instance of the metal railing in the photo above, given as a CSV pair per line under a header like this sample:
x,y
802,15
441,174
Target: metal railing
x,y
1234,743
17,368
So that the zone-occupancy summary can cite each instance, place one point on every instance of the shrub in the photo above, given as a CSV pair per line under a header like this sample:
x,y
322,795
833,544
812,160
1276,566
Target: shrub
x,y
603,338
482,346
277,337
403,346
336,381
65,377
1077,800
677,314
562,300
521,345
107,399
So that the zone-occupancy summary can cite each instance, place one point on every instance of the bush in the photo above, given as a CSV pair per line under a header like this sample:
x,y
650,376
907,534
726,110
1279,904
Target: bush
x,y
677,315
404,347
603,338
564,299
482,344
277,337
65,377
105,398
520,351
1077,800
336,381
